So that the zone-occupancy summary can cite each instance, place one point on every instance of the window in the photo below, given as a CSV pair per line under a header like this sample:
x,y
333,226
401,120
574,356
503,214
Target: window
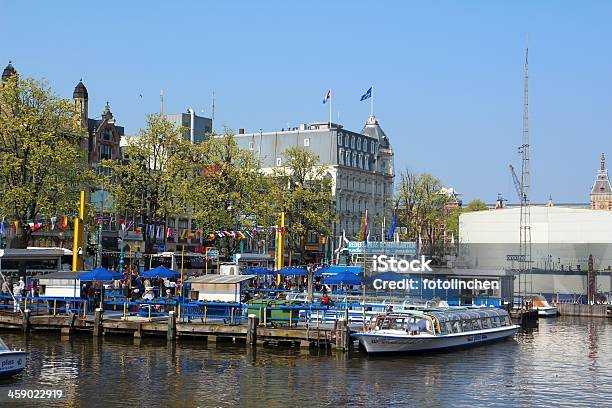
x,y
279,162
372,147
367,162
339,139
107,135
251,145
352,142
307,142
346,141
358,144
348,158
360,162
105,152
354,159
341,156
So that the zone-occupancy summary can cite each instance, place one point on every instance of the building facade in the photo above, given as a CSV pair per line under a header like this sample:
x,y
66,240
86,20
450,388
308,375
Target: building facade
x,y
601,193
359,163
197,127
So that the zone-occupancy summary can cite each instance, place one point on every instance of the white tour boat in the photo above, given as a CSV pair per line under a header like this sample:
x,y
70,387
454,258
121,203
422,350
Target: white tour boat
x,y
432,330
11,361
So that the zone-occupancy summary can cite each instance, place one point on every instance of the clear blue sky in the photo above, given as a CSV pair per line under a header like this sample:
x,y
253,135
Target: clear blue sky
x,y
448,76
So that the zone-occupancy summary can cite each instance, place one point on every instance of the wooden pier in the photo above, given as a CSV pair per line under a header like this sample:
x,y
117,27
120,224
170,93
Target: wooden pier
x,y
252,333
577,309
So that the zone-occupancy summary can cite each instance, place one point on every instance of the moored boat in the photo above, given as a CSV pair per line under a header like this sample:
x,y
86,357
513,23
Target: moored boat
x,y
432,330
543,307
11,361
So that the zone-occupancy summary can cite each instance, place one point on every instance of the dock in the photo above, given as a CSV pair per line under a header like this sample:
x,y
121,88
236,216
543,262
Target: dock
x,y
336,337
577,309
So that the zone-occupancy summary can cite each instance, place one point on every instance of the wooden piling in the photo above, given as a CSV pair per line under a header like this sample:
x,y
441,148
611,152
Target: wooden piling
x,y
26,320
253,322
171,333
97,322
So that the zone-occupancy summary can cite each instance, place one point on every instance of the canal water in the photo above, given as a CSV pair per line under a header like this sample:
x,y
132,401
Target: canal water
x,y
563,362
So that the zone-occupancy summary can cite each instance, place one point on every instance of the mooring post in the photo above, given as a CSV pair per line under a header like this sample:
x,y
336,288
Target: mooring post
x,y
253,322
347,337
26,320
171,334
97,322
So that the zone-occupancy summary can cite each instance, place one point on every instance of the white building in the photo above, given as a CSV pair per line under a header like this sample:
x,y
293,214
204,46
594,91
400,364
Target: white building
x,y
561,241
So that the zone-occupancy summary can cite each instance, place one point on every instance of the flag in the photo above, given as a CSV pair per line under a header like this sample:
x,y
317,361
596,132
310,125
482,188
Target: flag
x,y
241,235
64,223
393,223
183,234
211,237
327,97
168,232
2,228
366,95
191,236
15,226
122,223
53,220
220,234
365,225
138,229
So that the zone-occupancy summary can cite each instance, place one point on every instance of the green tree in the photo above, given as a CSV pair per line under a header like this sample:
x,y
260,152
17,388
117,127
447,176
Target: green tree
x,y
228,192
423,209
304,193
42,166
149,183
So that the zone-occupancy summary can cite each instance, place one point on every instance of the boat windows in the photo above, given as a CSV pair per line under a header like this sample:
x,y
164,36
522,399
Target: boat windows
x,y
486,323
449,327
476,324
496,322
505,321
466,325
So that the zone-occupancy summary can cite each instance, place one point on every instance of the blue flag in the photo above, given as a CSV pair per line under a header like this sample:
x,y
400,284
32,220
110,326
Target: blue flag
x,y
392,229
367,95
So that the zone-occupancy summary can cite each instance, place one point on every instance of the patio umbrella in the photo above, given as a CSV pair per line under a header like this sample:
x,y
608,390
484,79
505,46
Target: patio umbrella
x,y
258,270
160,272
100,274
343,278
292,271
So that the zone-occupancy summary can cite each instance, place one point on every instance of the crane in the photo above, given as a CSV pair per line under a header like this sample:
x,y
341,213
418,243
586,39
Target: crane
x,y
517,183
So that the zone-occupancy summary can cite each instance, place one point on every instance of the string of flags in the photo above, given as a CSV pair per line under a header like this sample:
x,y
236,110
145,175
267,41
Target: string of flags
x,y
154,231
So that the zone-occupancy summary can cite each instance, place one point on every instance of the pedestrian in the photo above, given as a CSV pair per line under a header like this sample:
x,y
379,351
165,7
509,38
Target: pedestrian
x,y
22,286
6,290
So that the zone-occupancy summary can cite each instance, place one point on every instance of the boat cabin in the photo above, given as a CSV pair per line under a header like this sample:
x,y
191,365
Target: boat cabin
x,y
218,288
59,285
443,322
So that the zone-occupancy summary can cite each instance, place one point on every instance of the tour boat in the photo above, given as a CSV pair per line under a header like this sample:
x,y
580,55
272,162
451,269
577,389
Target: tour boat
x,y
543,307
11,361
436,329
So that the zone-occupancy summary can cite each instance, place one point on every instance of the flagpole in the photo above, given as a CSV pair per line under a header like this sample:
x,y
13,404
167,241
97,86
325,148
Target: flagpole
x,y
330,109
372,102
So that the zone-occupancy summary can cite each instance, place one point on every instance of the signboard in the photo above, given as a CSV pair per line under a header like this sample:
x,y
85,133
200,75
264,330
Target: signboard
x,y
312,247
515,258
382,247
212,253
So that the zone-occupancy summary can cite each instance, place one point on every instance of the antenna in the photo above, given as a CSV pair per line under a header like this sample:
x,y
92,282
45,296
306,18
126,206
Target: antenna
x,y
161,102
525,217
212,119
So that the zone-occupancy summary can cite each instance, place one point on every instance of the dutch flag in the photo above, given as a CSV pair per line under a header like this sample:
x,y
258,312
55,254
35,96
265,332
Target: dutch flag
x,y
327,97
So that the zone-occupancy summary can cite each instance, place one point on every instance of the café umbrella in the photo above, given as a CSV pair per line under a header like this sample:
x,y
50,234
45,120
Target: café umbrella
x,y
160,272
343,278
100,274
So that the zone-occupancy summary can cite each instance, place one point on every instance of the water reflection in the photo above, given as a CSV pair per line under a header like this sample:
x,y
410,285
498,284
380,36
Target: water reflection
x,y
566,357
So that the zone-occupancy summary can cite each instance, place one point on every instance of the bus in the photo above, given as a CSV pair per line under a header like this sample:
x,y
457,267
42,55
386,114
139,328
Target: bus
x,y
35,261
191,262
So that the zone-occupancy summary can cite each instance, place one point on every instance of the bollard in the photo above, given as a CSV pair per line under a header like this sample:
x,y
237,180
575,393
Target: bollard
x,y
124,311
205,314
253,322
54,306
97,322
290,317
171,334
26,320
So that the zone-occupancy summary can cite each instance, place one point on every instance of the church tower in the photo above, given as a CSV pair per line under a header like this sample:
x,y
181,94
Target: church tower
x,y
81,102
601,193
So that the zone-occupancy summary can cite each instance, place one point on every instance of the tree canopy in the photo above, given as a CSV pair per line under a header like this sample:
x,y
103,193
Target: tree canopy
x,y
42,165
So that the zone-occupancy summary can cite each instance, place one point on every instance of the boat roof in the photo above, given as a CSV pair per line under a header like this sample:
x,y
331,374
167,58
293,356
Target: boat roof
x,y
58,275
453,314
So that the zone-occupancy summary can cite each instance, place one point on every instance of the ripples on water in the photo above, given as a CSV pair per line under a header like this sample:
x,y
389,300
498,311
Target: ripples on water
x,y
565,361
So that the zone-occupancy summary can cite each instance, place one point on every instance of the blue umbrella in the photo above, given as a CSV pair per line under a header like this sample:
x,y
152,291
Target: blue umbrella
x,y
100,274
334,269
258,270
343,278
160,272
292,271
388,277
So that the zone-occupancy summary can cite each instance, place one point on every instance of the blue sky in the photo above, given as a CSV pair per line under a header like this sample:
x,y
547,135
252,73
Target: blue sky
x,y
448,75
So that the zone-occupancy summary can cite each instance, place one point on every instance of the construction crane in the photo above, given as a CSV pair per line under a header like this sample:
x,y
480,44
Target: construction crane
x,y
517,183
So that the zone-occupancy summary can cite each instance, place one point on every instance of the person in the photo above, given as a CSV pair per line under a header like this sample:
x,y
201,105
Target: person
x,y
326,301
6,290
22,291
148,295
126,291
16,292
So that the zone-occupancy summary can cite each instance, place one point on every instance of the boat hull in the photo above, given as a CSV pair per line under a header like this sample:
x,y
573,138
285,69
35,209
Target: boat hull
x,y
550,311
380,343
12,362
